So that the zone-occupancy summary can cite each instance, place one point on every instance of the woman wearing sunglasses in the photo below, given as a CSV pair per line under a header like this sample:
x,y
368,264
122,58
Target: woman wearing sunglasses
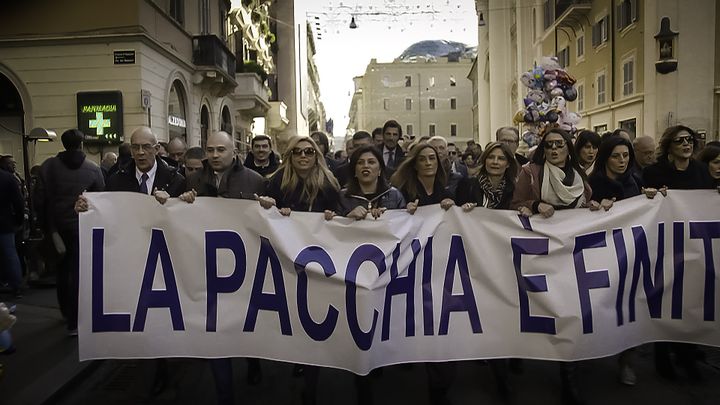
x,y
675,167
303,181
554,180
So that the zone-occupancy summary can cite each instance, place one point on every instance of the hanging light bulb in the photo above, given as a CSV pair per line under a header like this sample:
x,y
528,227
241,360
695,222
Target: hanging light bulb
x,y
353,25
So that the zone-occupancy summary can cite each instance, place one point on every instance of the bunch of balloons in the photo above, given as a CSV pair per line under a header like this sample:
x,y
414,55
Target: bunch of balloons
x,y
550,87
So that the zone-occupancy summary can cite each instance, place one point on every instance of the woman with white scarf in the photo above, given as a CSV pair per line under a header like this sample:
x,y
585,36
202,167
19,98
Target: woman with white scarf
x,y
554,180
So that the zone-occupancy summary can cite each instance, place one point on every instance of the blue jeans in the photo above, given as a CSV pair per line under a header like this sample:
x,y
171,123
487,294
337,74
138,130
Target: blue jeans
x,y
10,260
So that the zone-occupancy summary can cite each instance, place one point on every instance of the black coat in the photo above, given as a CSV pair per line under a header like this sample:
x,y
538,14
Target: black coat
x,y
11,203
469,191
167,179
238,182
604,187
439,193
62,179
273,164
664,173
327,199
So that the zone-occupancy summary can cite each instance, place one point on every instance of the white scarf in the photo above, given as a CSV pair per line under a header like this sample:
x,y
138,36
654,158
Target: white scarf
x,y
555,193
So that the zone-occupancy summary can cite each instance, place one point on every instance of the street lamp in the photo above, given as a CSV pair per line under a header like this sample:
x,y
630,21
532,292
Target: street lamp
x,y
35,135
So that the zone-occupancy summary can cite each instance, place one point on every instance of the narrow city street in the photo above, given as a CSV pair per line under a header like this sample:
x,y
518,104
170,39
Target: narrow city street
x,y
45,370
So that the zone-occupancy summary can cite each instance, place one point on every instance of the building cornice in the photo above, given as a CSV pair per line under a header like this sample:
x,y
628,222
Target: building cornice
x,y
615,105
101,38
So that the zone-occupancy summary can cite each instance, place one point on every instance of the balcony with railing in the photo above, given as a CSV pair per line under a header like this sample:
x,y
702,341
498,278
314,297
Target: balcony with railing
x,y
567,13
251,94
215,62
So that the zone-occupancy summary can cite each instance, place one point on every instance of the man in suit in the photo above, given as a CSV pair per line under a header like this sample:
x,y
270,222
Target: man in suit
x,y
511,137
456,164
391,151
147,173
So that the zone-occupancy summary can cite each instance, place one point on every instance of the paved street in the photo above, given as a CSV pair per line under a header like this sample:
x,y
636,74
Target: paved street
x,y
45,370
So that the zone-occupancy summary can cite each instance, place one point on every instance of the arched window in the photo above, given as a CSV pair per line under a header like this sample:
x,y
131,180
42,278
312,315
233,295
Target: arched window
x,y
12,120
204,125
226,121
177,124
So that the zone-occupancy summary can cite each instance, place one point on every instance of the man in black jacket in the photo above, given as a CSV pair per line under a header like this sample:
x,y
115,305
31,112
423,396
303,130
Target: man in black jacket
x,y
146,172
224,176
62,179
261,158
11,216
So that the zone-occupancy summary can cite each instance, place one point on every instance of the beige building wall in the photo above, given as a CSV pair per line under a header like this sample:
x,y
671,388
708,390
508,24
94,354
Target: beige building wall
x,y
687,96
383,93
506,48
63,56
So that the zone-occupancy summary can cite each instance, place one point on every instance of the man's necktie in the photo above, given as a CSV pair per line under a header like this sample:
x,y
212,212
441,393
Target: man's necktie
x,y
143,183
391,159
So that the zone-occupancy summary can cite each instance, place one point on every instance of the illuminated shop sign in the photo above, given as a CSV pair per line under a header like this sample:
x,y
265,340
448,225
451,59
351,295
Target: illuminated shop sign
x,y
176,121
100,116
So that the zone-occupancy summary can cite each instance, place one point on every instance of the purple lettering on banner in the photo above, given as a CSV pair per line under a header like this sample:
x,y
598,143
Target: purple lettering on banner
x,y
317,331
464,302
102,322
622,261
525,221
707,231
678,269
401,286
427,293
652,284
364,253
214,241
167,298
535,283
259,300
587,281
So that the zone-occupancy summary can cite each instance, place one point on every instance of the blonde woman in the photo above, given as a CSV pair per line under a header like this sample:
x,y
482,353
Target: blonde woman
x,y
303,181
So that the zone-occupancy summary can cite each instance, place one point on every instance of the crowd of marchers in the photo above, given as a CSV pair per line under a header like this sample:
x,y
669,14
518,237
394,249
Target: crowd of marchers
x,y
376,172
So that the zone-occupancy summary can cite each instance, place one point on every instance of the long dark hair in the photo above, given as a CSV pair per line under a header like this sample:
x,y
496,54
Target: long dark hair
x,y
353,185
606,149
406,177
539,155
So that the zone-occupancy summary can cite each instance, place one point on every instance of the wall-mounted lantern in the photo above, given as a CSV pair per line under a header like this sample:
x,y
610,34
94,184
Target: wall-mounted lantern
x,y
667,61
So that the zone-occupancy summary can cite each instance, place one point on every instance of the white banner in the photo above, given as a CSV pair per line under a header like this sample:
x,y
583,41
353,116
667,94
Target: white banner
x,y
226,278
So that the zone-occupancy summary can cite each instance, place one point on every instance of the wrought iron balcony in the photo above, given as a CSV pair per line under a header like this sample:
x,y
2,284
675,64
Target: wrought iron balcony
x,y
568,13
210,51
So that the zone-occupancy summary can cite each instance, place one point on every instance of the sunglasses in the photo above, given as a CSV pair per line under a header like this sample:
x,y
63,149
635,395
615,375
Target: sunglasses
x,y
682,139
559,143
452,153
305,151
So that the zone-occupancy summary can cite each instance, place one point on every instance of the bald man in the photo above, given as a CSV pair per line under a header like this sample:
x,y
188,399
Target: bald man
x,y
147,173
176,150
223,175
644,147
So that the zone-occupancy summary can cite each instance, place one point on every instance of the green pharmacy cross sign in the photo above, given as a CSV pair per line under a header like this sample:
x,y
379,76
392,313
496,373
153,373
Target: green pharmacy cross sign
x,y
100,116
99,123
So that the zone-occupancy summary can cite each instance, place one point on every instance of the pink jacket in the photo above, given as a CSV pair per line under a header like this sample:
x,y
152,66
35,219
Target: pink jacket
x,y
527,188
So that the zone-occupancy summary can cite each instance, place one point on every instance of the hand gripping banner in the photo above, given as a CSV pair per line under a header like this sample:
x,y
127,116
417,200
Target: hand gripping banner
x,y
225,278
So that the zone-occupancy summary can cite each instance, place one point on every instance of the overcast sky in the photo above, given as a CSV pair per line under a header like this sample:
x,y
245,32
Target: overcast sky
x,y
343,53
